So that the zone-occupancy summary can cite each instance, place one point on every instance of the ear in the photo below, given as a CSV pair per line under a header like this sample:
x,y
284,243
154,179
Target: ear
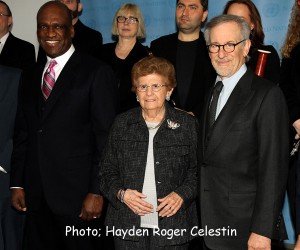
x,y
169,92
251,26
72,31
10,21
79,7
204,16
246,47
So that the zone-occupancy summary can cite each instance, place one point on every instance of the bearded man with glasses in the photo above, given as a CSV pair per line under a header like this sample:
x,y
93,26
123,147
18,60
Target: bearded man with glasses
x,y
243,146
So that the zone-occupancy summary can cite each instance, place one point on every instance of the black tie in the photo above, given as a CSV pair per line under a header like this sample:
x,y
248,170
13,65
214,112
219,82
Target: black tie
x,y
213,105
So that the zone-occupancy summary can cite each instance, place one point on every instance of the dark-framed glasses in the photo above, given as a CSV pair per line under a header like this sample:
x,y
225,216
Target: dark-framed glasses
x,y
227,47
2,14
154,87
123,19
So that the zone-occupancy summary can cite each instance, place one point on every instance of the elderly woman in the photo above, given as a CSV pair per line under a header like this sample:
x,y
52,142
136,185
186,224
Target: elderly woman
x,y
149,167
128,29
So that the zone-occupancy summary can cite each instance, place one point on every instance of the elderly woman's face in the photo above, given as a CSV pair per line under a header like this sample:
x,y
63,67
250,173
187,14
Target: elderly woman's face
x,y
152,91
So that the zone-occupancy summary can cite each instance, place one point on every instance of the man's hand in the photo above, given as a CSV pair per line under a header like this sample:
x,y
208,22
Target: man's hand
x,y
297,246
91,207
18,199
258,242
296,125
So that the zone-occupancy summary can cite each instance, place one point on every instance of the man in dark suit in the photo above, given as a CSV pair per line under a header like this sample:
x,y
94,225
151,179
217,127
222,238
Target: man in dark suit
x,y
243,153
11,226
14,52
187,51
66,108
85,39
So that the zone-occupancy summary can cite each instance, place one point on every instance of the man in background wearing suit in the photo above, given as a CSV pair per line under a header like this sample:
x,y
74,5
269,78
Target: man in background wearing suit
x,y
85,39
14,52
243,153
186,50
11,226
66,108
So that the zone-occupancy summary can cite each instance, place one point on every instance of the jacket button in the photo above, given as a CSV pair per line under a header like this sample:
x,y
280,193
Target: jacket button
x,y
40,131
157,163
158,182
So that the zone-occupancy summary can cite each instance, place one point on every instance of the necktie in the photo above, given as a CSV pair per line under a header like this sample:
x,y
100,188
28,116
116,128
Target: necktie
x,y
213,105
48,80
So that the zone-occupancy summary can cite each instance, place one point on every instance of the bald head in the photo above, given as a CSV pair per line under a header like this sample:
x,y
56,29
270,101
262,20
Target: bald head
x,y
54,28
57,5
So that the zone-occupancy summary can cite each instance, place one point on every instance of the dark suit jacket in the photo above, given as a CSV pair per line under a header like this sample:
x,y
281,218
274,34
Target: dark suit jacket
x,y
122,69
203,74
17,53
244,163
124,163
9,83
272,67
85,40
58,144
290,85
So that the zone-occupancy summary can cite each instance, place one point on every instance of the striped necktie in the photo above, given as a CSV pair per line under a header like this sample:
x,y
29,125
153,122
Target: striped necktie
x,y
48,80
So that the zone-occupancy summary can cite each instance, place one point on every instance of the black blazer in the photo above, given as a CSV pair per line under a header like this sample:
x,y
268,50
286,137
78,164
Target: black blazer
x,y
124,163
272,67
122,69
9,83
17,53
244,163
203,74
290,85
85,40
58,144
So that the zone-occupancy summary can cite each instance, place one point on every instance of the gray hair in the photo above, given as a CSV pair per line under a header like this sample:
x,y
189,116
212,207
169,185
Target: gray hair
x,y
243,26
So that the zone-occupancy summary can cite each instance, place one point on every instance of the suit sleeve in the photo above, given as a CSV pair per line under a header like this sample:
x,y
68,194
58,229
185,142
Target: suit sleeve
x,y
19,144
103,108
273,156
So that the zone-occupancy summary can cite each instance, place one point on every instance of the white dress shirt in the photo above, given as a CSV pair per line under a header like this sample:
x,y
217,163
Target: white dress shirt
x,y
229,85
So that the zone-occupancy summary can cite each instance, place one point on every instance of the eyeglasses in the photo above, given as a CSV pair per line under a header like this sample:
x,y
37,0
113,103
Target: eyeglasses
x,y
123,19
228,47
154,87
2,14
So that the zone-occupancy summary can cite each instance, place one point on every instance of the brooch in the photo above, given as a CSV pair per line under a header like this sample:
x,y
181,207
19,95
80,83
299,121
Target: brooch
x,y
173,125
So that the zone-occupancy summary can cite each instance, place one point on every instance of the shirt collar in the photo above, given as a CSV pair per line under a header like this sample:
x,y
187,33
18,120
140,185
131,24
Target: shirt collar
x,y
235,77
4,38
62,60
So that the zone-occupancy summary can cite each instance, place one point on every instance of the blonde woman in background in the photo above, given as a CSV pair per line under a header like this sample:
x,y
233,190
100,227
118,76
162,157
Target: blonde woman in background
x,y
128,28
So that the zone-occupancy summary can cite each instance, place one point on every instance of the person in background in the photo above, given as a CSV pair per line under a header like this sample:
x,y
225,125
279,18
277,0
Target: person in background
x,y
247,10
243,146
12,222
129,29
65,110
290,84
85,40
14,52
149,166
187,51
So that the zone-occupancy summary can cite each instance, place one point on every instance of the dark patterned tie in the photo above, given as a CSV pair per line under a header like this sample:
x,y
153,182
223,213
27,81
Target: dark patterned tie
x,y
48,80
213,105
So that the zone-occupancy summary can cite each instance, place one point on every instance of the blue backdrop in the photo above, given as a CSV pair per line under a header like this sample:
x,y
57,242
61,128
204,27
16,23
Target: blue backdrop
x,y
159,18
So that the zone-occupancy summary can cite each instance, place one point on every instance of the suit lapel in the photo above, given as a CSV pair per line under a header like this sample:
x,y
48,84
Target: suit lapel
x,y
63,82
236,103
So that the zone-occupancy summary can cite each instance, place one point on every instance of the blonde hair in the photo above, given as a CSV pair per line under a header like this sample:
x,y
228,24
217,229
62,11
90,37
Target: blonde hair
x,y
293,34
123,11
